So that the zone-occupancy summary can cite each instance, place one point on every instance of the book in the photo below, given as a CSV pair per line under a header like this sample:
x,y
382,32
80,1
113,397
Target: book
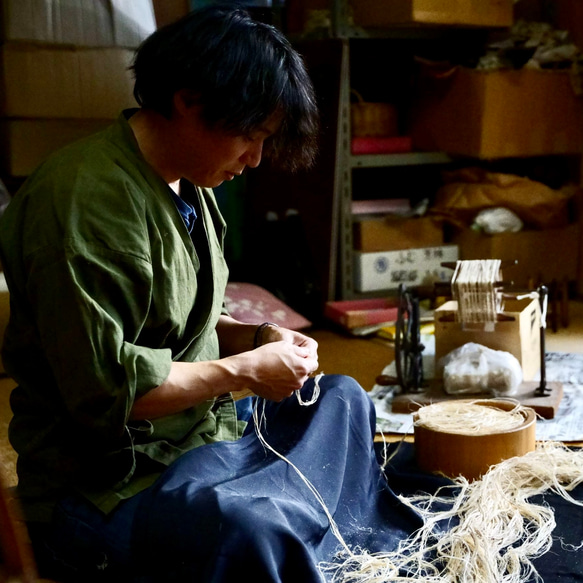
x,y
372,145
383,206
357,313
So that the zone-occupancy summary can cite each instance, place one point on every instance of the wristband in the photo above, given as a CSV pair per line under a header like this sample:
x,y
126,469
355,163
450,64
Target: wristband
x,y
258,339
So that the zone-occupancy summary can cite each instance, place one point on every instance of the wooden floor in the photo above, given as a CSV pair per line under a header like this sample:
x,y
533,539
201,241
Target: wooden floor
x,y
360,358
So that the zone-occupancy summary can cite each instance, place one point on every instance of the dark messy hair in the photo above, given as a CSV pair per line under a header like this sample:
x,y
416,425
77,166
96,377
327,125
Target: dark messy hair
x,y
240,70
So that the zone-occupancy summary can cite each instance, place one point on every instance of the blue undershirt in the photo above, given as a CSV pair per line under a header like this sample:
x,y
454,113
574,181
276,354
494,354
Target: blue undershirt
x,y
186,211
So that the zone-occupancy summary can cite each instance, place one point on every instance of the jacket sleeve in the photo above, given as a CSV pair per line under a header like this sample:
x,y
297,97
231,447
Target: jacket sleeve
x,y
90,306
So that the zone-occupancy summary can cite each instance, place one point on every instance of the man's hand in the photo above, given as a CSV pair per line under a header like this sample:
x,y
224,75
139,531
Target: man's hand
x,y
283,366
275,334
273,371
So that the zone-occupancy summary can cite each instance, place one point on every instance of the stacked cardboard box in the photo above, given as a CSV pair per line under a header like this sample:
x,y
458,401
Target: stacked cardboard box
x,y
393,233
168,11
64,72
498,114
381,13
390,250
540,256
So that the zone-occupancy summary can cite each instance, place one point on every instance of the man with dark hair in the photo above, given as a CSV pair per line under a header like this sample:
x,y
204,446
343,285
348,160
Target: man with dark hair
x,y
132,461
240,78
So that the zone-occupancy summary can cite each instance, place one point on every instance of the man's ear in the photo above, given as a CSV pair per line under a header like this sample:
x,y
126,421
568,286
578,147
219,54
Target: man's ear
x,y
186,101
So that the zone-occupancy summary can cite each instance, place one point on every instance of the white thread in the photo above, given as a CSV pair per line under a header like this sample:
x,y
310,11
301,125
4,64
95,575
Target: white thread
x,y
497,534
315,393
470,418
311,487
474,288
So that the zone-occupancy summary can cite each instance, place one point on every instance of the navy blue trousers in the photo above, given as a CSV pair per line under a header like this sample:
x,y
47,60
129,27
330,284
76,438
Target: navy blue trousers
x,y
235,509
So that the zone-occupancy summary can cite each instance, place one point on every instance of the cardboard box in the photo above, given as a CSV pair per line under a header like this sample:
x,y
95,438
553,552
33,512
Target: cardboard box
x,y
25,143
542,256
518,334
64,83
168,11
356,313
385,270
496,114
391,233
82,23
379,13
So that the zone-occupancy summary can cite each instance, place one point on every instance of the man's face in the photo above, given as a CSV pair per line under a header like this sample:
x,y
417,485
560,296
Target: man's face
x,y
207,157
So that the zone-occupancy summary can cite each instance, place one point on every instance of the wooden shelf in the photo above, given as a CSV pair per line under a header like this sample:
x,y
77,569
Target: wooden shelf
x,y
405,159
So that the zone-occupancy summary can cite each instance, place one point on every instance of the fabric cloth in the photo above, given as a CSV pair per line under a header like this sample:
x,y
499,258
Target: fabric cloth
x,y
107,287
250,513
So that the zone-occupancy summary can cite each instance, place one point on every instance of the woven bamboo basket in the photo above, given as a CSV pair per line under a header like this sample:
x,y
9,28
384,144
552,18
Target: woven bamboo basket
x,y
370,119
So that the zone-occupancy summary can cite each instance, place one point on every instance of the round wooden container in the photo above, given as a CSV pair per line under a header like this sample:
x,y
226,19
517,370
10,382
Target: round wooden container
x,y
455,454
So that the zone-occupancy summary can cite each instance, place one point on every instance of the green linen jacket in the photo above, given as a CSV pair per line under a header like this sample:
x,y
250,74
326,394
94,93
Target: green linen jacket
x,y
107,288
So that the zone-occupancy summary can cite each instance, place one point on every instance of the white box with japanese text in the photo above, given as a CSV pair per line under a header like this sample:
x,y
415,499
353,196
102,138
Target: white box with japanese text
x,y
387,269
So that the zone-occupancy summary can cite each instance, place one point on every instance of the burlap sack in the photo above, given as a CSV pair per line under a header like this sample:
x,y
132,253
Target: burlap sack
x,y
471,190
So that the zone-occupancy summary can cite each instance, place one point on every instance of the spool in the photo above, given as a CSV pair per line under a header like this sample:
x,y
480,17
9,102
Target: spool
x,y
456,454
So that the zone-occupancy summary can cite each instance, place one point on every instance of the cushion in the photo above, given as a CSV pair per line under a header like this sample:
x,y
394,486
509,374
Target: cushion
x,y
253,304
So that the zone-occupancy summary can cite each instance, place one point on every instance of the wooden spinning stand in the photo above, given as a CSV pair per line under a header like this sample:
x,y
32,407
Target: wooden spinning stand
x,y
542,396
546,404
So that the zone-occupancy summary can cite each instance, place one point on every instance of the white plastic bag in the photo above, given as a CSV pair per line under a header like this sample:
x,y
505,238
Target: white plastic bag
x,y
498,220
473,368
